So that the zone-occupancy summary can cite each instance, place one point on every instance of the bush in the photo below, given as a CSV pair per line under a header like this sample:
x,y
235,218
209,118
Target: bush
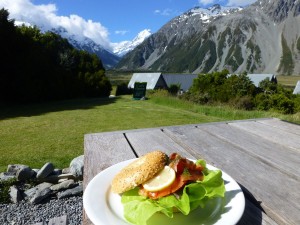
x,y
245,102
174,88
158,93
297,103
122,89
278,102
283,104
263,101
4,190
200,99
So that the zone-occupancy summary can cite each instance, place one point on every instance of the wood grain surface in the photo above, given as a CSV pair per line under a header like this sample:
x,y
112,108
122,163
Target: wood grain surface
x,y
262,155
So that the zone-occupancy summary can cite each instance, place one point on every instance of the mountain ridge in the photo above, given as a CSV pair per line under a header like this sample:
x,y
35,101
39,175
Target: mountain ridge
x,y
260,38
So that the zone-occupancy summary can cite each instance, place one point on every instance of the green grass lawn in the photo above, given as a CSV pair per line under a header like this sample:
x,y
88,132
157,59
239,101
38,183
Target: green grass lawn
x,y
54,132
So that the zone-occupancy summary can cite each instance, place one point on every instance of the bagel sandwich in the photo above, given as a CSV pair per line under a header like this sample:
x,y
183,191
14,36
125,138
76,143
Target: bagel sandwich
x,y
156,182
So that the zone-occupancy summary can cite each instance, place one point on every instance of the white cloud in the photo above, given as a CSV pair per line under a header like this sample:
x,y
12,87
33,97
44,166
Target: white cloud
x,y
229,2
165,12
240,2
207,2
45,17
121,32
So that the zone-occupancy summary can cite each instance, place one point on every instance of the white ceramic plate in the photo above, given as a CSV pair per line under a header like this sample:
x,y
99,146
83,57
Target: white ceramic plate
x,y
105,208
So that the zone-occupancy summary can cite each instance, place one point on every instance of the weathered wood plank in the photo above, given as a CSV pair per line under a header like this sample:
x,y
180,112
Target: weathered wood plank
x,y
290,140
282,125
261,179
103,151
100,152
154,139
279,156
62,220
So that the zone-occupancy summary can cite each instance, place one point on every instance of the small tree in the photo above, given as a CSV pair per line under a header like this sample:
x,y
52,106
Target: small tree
x,y
174,89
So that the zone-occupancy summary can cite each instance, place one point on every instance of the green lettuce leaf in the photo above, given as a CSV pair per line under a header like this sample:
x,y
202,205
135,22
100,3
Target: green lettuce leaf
x,y
138,209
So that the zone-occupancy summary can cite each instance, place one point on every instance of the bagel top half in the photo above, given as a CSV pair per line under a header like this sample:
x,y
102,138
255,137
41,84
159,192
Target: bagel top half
x,y
139,171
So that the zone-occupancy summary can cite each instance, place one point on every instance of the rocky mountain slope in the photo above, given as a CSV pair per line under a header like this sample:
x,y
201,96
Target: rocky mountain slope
x,y
108,58
261,38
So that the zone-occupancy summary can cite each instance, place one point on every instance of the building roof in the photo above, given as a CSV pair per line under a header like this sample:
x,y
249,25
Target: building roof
x,y
297,88
257,78
184,80
159,80
150,78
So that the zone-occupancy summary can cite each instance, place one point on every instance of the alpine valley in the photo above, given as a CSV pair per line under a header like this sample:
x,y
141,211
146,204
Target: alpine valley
x,y
261,38
109,58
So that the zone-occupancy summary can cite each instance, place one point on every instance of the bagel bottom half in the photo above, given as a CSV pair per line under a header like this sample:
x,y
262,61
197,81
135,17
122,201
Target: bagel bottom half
x,y
139,171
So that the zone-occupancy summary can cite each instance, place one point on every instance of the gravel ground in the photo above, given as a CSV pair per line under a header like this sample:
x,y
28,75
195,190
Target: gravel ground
x,y
26,213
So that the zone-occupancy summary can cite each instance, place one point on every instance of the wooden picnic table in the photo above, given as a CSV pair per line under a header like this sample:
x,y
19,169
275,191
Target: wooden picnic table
x,y
262,155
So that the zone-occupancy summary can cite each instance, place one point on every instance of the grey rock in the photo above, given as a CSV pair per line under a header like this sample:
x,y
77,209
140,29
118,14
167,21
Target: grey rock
x,y
36,170
76,191
15,194
62,180
76,167
51,179
30,193
67,176
62,186
65,170
7,176
40,195
14,168
58,178
26,213
46,170
25,173
56,172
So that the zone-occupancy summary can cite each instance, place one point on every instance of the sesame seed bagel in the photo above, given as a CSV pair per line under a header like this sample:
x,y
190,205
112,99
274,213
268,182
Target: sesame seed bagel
x,y
139,171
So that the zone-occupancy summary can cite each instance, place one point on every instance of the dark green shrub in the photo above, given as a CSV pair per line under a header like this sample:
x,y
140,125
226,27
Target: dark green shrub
x,y
174,89
244,102
297,103
122,89
263,101
283,104
4,190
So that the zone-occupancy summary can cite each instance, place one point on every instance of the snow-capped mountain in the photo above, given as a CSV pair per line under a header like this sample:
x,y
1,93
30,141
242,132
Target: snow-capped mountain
x,y
124,47
109,57
261,38
206,15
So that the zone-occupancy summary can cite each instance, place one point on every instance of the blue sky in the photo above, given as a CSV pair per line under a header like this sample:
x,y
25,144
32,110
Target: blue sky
x,y
108,21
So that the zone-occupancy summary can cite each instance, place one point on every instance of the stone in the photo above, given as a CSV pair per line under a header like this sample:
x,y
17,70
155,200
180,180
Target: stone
x,y
66,176
14,168
15,194
36,170
46,170
51,179
76,167
65,170
76,191
58,178
62,186
62,180
24,174
56,172
28,194
40,195
7,176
